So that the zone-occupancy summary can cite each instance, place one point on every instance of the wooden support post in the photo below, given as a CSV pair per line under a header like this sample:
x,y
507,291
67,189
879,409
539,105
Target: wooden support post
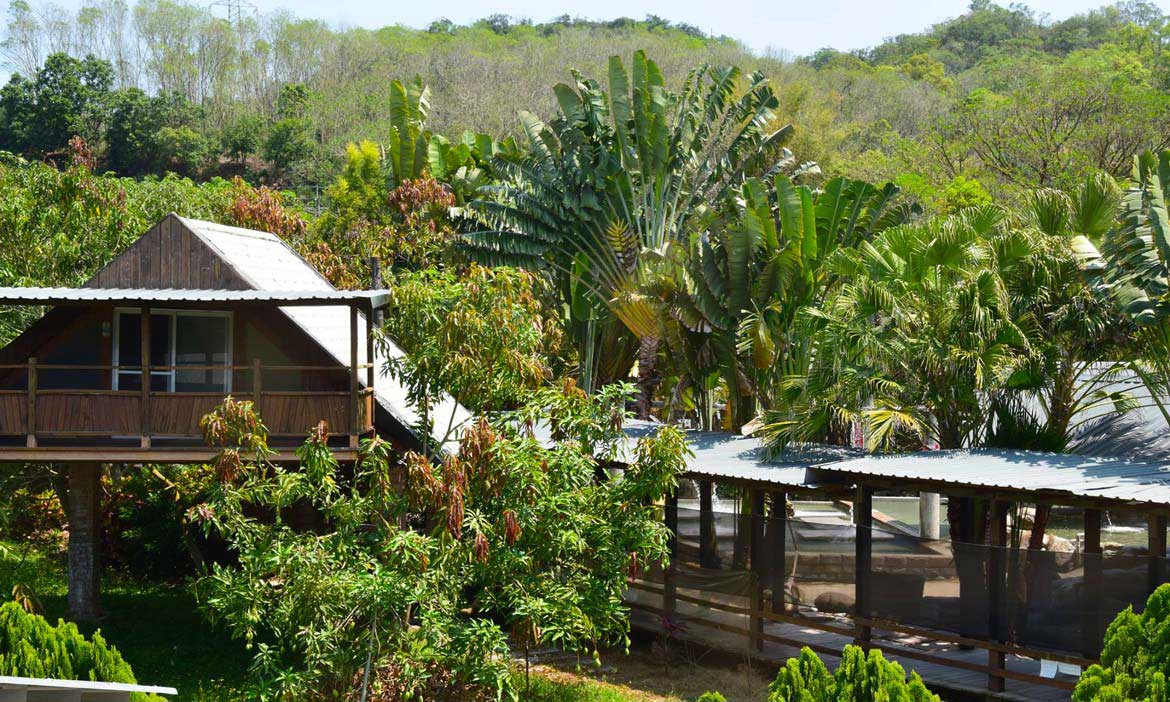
x,y
146,377
778,540
371,373
997,559
30,424
83,513
257,383
668,583
353,376
1091,631
1157,548
863,565
708,544
756,554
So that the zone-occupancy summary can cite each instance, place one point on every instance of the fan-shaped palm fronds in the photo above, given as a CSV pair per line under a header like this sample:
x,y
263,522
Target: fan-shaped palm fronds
x,y
616,179
919,329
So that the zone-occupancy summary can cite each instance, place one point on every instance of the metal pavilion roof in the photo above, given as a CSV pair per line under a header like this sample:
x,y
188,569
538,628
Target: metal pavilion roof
x,y
726,456
1059,474
723,456
284,298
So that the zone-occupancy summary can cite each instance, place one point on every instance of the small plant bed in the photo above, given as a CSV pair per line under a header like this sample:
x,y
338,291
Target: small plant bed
x,y
642,676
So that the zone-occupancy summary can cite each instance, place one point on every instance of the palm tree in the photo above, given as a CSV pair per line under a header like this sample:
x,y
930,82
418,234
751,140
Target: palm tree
x,y
1082,343
615,182
920,329
745,279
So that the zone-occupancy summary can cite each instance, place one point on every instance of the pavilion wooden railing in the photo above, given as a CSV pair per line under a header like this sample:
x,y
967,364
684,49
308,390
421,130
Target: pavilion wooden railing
x,y
754,634
43,410
763,600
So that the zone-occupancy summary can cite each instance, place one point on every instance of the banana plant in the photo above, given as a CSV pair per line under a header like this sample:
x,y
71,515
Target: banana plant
x,y
411,150
616,181
1133,260
1129,262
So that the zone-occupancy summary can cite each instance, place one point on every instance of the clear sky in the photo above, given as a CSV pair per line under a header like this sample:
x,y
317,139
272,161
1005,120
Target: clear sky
x,y
799,26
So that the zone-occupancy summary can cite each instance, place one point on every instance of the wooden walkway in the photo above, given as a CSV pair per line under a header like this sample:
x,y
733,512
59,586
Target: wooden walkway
x,y
964,672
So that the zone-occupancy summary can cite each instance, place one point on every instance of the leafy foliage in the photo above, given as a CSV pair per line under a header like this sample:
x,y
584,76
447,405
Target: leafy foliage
x,y
485,334
613,182
506,531
1135,662
31,647
860,677
945,333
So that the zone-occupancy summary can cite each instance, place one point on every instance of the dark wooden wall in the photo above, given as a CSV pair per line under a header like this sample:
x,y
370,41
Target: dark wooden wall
x,y
169,255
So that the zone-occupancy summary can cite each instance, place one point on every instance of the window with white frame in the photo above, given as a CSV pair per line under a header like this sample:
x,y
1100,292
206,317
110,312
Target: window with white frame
x,y
190,351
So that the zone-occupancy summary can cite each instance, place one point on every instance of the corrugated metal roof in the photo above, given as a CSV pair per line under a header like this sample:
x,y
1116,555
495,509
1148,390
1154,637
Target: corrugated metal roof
x,y
721,455
268,263
65,296
734,457
1029,471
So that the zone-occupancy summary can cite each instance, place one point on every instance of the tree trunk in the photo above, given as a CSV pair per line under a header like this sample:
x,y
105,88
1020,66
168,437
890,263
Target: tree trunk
x,y
647,375
82,510
968,525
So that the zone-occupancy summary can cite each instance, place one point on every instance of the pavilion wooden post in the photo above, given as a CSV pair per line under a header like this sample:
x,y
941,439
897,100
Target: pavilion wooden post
x,y
353,376
863,562
997,559
146,377
1157,549
30,424
778,529
670,516
756,555
708,545
1094,586
83,513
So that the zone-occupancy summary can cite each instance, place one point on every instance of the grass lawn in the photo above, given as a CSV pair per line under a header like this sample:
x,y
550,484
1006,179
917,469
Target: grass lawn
x,y
157,628
160,632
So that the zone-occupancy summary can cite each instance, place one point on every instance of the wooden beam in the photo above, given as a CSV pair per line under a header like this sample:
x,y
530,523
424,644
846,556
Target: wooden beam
x,y
757,557
257,383
708,544
1092,634
146,378
778,542
30,425
371,373
136,456
670,517
353,377
1157,548
863,562
996,574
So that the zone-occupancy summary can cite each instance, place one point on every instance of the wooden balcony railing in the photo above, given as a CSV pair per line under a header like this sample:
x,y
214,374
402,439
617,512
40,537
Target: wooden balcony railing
x,y
89,414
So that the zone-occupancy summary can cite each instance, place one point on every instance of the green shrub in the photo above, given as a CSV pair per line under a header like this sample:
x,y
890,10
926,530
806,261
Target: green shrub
x,y
859,678
30,647
1135,662
711,696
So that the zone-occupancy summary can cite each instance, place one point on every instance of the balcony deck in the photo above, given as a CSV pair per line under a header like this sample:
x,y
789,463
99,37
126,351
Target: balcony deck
x,y
96,424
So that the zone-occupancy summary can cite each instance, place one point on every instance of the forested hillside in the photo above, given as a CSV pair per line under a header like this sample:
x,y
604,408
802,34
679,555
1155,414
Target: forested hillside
x,y
991,102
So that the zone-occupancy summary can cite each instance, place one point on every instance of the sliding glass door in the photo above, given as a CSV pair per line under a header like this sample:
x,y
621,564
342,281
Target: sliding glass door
x,y
189,351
